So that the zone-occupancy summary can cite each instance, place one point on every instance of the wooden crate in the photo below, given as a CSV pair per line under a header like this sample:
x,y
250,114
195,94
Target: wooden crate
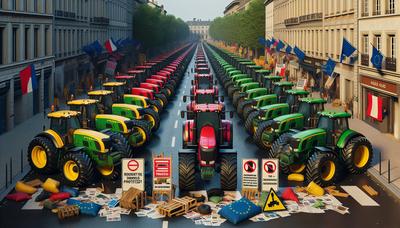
x,y
178,206
133,199
68,212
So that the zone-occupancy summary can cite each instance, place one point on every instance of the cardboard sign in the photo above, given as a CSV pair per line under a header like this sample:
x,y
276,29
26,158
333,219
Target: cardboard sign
x,y
162,173
133,173
270,174
273,203
110,68
250,173
301,83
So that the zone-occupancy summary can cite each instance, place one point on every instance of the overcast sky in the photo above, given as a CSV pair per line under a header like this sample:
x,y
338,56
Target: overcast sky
x,y
200,9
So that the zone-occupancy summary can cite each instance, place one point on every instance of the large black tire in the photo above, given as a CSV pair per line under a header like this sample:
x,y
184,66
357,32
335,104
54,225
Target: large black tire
x,y
358,155
247,110
171,88
119,144
151,114
323,168
112,173
237,99
155,105
230,91
82,165
162,98
280,142
47,147
264,126
187,172
228,172
248,124
144,129
242,105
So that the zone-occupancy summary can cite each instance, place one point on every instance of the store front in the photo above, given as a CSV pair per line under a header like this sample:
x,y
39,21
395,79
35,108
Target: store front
x,y
379,99
309,70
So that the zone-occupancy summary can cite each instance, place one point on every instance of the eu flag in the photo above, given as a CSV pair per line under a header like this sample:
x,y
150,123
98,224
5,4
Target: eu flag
x,y
347,50
376,58
288,49
280,45
261,40
267,43
329,67
299,53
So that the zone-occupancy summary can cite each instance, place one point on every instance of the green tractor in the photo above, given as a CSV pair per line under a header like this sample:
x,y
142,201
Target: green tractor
x,y
135,112
265,113
147,111
136,131
80,154
323,152
305,118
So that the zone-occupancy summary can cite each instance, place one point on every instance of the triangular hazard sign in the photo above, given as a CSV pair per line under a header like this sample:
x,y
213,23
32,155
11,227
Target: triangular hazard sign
x,y
273,203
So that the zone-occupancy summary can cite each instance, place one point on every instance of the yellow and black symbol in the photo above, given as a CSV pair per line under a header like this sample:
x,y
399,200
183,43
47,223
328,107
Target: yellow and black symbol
x,y
273,203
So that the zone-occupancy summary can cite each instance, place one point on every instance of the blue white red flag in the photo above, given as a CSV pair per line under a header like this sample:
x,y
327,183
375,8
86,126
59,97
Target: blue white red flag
x,y
28,79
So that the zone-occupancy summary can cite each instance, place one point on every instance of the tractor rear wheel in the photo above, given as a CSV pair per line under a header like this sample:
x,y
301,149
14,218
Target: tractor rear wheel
x,y
162,98
142,130
77,169
248,124
242,105
323,168
358,155
263,127
155,105
120,144
152,117
43,155
187,172
228,171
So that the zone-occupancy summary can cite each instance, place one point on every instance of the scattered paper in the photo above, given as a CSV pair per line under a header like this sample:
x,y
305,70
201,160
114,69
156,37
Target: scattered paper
x,y
31,204
359,196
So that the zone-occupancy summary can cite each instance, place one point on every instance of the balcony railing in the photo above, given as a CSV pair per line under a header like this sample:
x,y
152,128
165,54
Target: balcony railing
x,y
292,21
390,64
100,20
365,59
304,18
390,11
376,13
364,14
65,14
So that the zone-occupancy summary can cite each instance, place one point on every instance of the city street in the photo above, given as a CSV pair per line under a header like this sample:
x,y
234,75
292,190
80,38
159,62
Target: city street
x,y
168,140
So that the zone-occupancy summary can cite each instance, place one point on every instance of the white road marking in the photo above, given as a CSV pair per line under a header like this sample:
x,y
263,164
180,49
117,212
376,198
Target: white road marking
x,y
165,224
179,111
176,124
180,104
173,142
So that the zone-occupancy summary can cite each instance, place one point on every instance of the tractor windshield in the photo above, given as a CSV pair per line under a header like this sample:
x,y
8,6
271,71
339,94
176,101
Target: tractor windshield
x,y
326,123
304,108
291,100
58,125
73,123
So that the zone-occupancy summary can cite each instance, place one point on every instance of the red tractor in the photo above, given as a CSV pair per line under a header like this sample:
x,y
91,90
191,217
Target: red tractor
x,y
202,81
202,70
203,96
205,135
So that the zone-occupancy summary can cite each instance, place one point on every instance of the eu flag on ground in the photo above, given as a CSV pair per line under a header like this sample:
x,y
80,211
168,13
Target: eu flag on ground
x,y
280,45
347,50
376,58
329,67
288,49
299,53
28,79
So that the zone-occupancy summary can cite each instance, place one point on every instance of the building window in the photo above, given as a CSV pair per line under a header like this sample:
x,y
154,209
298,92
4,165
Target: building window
x,y
365,50
378,42
14,45
377,7
365,9
13,5
35,6
47,38
390,7
27,43
36,43
392,46
1,44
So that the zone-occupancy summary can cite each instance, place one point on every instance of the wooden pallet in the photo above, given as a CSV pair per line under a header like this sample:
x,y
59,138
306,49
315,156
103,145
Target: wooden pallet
x,y
68,212
250,193
178,206
133,199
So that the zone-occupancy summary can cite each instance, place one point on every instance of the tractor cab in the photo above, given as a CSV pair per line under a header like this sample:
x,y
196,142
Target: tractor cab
x,y
88,109
280,89
64,123
335,124
260,74
143,92
309,108
155,88
203,81
129,80
105,98
293,96
205,96
118,88
251,70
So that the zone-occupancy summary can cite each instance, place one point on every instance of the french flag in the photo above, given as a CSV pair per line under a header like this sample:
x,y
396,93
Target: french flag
x,y
280,69
374,109
110,46
28,79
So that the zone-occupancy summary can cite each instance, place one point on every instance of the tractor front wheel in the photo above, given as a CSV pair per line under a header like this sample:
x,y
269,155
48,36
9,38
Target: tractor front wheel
x,y
357,155
141,133
110,172
77,169
247,110
238,98
187,172
323,168
152,117
120,144
162,98
228,172
248,124
155,105
43,155
241,107
265,127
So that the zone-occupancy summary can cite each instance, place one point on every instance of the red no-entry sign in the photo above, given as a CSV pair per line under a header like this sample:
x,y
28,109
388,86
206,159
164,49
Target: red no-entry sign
x,y
132,174
133,165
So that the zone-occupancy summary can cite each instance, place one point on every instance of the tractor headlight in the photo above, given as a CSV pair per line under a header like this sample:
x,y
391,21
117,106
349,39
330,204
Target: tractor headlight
x,y
294,144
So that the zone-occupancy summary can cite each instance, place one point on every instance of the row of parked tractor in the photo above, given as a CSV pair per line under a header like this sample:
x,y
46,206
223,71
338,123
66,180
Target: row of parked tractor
x,y
290,125
206,133
89,140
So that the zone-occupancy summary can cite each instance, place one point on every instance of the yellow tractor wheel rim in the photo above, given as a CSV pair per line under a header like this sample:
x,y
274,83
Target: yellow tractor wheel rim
x,y
297,168
361,156
143,134
106,170
162,103
150,119
71,170
39,157
155,108
328,170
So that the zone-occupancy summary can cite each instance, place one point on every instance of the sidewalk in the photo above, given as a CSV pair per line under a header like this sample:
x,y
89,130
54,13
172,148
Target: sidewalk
x,y
384,144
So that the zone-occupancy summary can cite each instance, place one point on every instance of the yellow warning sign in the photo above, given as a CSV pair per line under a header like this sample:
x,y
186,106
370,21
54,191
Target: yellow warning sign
x,y
273,203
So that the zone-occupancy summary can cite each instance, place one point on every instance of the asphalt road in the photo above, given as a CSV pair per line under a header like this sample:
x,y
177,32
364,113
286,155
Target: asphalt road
x,y
168,140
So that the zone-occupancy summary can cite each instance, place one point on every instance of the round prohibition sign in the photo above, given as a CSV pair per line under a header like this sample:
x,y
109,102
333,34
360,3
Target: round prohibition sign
x,y
133,165
269,167
249,166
